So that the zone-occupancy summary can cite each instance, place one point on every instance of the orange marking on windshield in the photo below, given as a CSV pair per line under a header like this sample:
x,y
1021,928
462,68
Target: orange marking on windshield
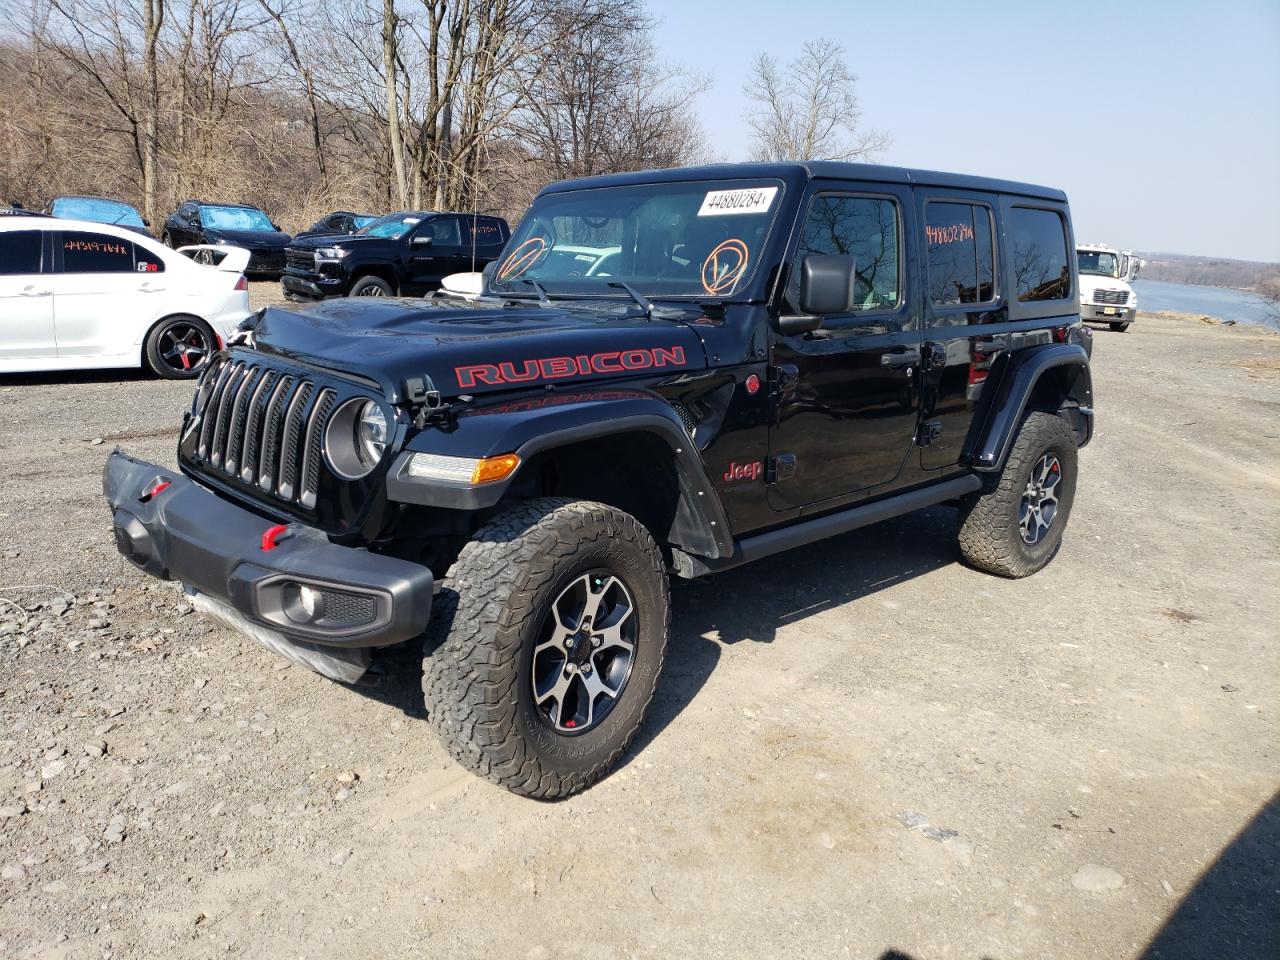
x,y
725,266
522,258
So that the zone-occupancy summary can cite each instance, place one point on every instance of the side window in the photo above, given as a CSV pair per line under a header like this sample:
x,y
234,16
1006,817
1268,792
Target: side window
x,y
99,253
445,231
865,228
488,232
961,253
20,252
1038,240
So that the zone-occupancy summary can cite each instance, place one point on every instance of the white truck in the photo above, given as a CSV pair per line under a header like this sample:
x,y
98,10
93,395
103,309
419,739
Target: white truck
x,y
1105,277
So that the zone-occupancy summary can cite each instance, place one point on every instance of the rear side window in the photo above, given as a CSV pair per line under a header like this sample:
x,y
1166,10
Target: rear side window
x,y
100,253
488,231
1038,239
20,252
961,253
865,228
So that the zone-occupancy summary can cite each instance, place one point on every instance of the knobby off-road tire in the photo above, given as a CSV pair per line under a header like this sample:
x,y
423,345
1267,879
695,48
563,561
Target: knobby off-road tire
x,y
991,521
479,681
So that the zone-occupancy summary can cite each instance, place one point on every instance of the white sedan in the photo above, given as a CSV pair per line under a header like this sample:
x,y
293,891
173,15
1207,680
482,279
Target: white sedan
x,y
78,295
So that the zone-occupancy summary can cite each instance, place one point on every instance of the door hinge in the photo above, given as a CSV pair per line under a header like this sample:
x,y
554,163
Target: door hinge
x,y
929,431
782,378
780,467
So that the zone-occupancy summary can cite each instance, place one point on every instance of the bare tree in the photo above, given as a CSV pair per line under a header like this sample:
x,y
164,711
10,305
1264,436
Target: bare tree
x,y
809,110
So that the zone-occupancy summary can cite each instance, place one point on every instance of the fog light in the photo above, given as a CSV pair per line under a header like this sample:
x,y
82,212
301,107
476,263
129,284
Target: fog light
x,y
303,604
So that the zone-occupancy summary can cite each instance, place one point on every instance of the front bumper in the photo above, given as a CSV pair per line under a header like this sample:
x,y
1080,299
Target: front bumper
x,y
186,532
1097,313
315,286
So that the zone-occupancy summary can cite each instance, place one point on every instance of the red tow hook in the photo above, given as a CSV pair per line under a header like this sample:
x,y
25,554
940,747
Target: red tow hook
x,y
158,486
272,534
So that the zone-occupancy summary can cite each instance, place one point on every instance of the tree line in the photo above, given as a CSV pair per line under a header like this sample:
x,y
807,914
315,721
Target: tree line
x,y
302,106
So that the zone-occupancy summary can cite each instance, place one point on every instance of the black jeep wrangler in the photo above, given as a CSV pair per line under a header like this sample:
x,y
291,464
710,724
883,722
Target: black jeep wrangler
x,y
668,374
402,253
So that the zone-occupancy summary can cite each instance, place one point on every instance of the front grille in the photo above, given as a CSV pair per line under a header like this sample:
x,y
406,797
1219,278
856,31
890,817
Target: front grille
x,y
1116,298
263,427
303,260
265,261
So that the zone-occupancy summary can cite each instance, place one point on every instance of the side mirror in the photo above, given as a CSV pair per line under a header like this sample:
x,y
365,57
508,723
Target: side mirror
x,y
826,284
420,242
826,287
146,222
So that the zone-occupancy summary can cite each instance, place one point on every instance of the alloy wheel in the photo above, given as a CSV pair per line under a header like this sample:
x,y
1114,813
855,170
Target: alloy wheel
x,y
184,347
585,652
1039,503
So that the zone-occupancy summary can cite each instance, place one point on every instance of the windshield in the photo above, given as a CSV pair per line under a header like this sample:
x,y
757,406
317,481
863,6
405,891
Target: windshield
x,y
664,239
99,211
391,227
236,218
1097,264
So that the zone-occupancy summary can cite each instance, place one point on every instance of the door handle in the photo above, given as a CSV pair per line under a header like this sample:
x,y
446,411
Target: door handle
x,y
32,292
900,358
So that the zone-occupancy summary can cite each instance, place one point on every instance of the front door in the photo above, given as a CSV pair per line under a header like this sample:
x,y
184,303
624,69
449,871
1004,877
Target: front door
x,y
26,297
847,403
445,254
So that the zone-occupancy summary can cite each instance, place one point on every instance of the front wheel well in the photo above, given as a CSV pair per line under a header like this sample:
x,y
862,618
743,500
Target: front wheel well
x,y
635,472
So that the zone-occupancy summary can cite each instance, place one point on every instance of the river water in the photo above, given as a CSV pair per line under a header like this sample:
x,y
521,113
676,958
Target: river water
x,y
1220,302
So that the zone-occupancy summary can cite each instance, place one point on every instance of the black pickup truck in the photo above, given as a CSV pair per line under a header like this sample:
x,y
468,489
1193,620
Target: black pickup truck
x,y
668,374
406,254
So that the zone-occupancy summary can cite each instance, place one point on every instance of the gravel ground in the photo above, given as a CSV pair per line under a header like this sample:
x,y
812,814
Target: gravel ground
x,y
860,749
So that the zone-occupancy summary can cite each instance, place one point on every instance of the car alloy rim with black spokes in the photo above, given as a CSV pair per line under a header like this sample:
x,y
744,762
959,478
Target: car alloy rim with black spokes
x,y
184,347
1040,499
372,290
585,652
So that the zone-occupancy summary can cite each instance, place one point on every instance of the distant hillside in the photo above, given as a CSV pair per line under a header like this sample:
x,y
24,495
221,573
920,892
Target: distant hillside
x,y
1210,271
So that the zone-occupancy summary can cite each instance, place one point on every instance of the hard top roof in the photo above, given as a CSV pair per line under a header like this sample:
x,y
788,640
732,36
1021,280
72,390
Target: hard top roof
x,y
814,170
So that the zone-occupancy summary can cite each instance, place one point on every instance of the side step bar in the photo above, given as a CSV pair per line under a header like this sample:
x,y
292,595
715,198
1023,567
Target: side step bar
x,y
819,528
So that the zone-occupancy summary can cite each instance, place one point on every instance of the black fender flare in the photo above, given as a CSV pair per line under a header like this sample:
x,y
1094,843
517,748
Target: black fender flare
x,y
1004,401
534,425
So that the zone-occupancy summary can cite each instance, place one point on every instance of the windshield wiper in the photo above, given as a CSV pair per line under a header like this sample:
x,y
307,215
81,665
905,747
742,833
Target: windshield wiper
x,y
650,309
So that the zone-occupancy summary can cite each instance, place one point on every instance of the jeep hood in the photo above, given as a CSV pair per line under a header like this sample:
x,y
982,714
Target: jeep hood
x,y
478,348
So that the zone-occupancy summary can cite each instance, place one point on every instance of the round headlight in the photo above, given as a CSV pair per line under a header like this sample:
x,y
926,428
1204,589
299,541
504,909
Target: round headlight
x,y
371,433
356,438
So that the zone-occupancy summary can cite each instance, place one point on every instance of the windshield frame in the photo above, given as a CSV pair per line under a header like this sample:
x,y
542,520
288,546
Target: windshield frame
x,y
1116,257
205,208
603,287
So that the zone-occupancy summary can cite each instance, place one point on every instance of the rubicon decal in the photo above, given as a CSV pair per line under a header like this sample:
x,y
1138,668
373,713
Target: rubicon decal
x,y
561,368
743,471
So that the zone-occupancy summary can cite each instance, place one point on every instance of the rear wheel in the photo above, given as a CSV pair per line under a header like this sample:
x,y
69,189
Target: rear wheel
x,y
371,287
167,239
178,348
554,647
1014,526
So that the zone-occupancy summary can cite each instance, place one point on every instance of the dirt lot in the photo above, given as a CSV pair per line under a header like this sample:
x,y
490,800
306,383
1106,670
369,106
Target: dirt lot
x,y
1096,737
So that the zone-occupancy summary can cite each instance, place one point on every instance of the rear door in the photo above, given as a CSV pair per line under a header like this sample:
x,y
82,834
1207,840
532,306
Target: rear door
x,y
105,291
485,238
847,403
26,296
962,302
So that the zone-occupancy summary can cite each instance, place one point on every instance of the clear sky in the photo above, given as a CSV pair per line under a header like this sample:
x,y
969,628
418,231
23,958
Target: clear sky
x,y
1160,118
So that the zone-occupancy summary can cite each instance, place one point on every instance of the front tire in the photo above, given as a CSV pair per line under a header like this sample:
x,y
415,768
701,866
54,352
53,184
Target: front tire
x,y
555,646
1119,326
1014,526
371,287
179,347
